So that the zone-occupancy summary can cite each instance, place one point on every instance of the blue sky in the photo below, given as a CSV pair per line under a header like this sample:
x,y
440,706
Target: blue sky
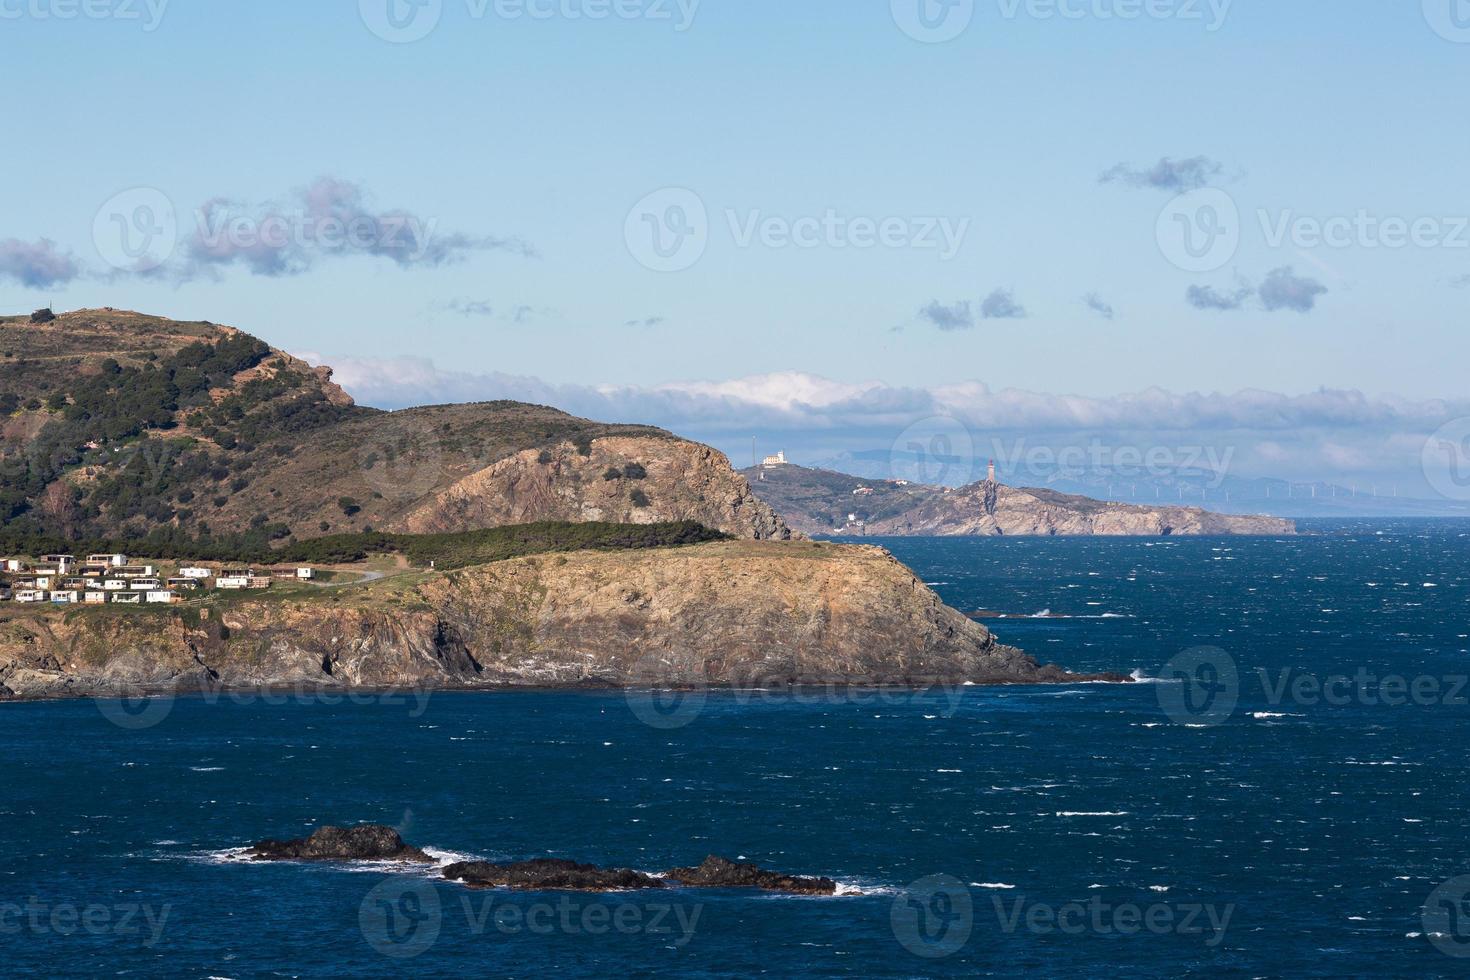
x,y
524,142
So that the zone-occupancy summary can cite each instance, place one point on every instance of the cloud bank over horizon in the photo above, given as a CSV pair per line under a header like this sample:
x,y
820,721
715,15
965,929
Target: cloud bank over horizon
x,y
1331,435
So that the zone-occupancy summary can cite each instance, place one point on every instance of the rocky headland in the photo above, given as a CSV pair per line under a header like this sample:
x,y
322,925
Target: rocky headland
x,y
826,502
731,613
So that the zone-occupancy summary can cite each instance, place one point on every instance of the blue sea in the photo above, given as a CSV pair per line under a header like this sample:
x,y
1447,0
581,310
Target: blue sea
x,y
1283,794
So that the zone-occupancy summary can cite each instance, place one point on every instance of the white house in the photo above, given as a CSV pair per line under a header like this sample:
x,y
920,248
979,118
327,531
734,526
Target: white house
x,y
145,584
306,573
115,561
115,584
777,460
232,582
62,562
94,598
13,565
127,598
65,598
160,596
43,582
30,595
193,572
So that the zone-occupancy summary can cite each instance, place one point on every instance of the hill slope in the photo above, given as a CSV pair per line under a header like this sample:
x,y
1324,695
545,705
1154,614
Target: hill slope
x,y
118,424
822,501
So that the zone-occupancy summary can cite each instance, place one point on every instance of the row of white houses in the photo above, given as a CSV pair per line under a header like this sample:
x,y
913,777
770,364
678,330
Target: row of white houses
x,y
111,578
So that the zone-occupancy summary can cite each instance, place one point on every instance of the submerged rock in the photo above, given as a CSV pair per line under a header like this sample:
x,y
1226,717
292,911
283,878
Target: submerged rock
x,y
718,872
365,843
549,874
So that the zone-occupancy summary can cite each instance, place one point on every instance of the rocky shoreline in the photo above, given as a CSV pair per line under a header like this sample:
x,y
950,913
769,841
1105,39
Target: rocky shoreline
x,y
723,616
378,844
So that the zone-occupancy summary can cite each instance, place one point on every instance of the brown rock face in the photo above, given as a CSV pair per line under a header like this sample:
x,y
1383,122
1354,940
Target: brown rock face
x,y
621,479
727,613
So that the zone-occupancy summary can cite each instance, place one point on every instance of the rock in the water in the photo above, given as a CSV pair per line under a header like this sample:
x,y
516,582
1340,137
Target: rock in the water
x,y
549,874
365,843
718,872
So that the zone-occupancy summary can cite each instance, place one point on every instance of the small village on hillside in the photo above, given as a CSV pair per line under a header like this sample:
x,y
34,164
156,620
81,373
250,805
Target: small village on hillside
x,y
113,579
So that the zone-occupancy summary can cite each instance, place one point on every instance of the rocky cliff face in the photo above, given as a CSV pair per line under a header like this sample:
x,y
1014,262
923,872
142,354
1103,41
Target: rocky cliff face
x,y
621,479
822,501
730,613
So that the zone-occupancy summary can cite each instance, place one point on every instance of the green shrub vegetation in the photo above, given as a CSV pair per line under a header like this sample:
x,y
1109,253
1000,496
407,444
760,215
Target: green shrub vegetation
x,y
445,551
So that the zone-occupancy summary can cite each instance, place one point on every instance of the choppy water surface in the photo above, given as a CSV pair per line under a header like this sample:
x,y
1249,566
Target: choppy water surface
x,y
1287,807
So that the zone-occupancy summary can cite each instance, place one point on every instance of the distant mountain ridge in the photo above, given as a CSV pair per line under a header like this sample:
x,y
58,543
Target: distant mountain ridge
x,y
827,502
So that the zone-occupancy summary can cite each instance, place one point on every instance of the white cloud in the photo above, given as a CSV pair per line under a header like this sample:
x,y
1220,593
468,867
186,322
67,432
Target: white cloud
x,y
1319,433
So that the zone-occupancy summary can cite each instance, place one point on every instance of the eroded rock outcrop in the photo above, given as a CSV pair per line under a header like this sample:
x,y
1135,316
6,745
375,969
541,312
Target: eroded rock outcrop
x,y
718,872
622,479
365,843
